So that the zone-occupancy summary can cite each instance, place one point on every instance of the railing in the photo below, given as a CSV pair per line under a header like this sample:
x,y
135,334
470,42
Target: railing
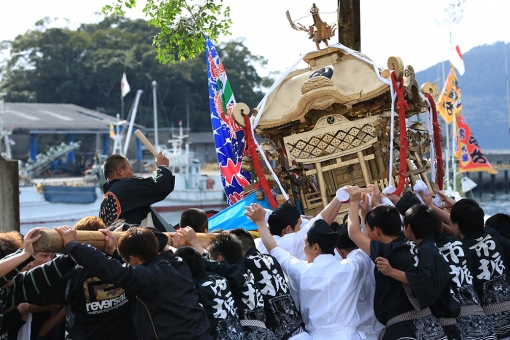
x,y
43,161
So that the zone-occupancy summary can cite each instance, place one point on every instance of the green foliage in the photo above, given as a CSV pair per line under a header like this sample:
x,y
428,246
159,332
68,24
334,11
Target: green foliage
x,y
84,67
181,26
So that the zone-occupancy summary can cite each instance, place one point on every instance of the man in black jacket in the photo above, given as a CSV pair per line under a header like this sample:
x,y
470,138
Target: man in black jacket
x,y
215,296
99,307
128,197
164,301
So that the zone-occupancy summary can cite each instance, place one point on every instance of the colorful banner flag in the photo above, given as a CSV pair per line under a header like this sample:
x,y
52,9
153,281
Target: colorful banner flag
x,y
469,153
449,103
228,136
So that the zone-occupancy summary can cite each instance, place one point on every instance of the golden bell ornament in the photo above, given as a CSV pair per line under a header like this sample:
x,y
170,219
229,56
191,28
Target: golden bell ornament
x,y
418,126
247,164
259,195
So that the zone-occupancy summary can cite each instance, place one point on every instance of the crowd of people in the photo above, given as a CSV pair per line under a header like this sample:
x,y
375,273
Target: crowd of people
x,y
396,268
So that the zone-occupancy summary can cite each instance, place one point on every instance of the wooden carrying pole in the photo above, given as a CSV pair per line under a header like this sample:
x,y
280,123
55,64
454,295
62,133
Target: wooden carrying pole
x,y
51,241
146,142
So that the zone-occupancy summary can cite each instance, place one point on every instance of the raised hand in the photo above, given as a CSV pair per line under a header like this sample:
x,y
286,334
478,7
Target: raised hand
x,y
110,242
191,239
189,235
176,240
427,199
68,234
28,241
354,193
162,160
448,201
256,213
364,205
376,195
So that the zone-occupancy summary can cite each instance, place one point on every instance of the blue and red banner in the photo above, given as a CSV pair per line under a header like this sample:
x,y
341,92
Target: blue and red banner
x,y
228,136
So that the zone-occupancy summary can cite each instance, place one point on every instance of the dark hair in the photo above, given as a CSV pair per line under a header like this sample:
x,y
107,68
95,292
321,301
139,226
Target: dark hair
x,y
468,215
140,242
423,221
120,223
344,241
10,242
226,245
407,201
91,223
194,218
344,221
386,218
324,250
500,223
193,259
112,163
335,225
282,216
245,237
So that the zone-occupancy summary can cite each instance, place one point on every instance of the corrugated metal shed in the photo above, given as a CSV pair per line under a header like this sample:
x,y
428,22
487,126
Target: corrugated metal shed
x,y
55,118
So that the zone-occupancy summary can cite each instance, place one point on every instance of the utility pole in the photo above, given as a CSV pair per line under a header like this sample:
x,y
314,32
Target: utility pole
x,y
156,140
9,181
349,31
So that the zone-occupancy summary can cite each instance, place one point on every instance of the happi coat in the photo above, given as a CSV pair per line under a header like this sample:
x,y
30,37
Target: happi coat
x,y
282,316
391,299
430,284
472,322
488,256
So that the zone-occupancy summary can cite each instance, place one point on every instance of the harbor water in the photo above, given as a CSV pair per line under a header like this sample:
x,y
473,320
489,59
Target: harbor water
x,y
491,204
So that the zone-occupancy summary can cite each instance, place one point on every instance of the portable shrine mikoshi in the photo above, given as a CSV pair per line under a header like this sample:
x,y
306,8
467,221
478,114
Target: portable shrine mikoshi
x,y
330,125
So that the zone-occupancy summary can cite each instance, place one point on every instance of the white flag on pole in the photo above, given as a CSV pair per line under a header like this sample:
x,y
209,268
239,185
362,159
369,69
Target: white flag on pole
x,y
124,85
456,56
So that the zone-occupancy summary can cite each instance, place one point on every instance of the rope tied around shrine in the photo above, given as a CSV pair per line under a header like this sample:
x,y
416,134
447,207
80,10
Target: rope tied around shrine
x,y
401,107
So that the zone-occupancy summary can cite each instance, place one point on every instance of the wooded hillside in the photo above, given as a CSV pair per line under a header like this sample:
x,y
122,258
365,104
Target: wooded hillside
x,y
483,87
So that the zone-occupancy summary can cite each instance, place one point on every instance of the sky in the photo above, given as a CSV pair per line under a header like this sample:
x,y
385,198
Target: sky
x,y
405,28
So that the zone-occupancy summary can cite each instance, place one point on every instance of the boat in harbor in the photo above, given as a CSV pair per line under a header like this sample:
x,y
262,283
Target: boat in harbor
x,y
60,200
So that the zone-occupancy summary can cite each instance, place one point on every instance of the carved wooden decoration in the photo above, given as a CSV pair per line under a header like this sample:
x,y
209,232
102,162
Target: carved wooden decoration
x,y
319,32
333,140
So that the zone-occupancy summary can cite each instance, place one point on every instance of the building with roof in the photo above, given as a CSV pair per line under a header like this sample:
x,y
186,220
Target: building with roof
x,y
37,127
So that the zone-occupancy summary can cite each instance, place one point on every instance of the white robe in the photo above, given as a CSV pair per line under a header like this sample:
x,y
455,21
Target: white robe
x,y
293,242
368,323
328,292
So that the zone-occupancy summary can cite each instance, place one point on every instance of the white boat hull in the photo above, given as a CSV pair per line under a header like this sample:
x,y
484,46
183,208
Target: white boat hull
x,y
34,209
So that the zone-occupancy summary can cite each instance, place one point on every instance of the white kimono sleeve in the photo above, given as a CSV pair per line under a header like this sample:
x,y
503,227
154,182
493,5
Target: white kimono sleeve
x,y
291,266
